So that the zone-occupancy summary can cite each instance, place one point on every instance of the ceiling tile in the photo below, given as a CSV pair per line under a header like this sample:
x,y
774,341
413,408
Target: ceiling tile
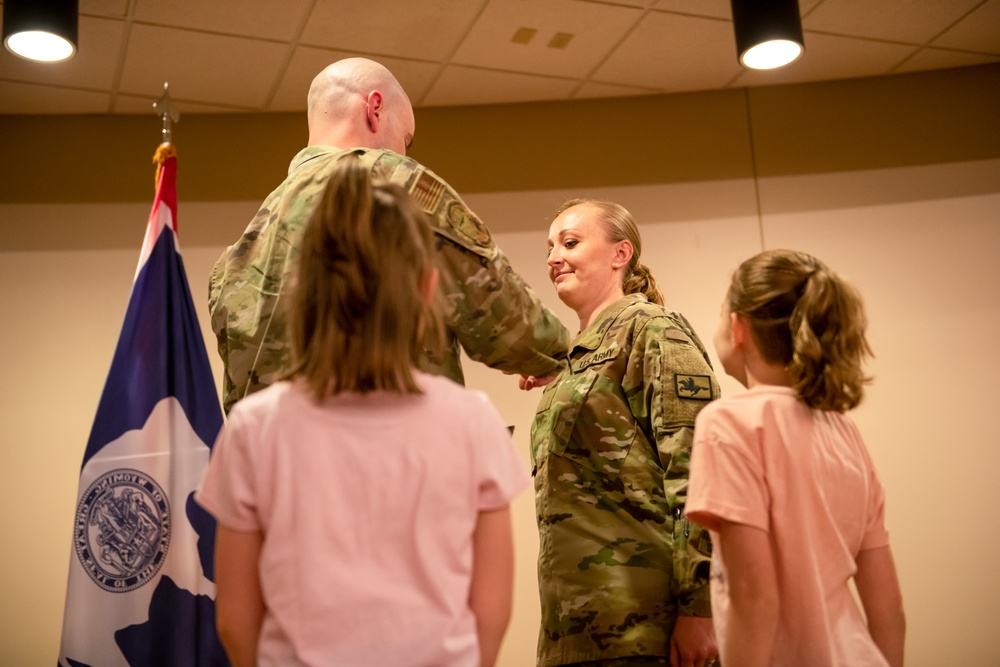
x,y
250,18
642,4
910,21
211,69
110,8
827,57
808,6
929,58
719,9
26,98
673,53
93,66
595,28
307,62
429,29
979,31
467,85
261,55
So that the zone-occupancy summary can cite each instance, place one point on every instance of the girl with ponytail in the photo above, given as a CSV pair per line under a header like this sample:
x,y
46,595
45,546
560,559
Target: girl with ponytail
x,y
783,480
362,505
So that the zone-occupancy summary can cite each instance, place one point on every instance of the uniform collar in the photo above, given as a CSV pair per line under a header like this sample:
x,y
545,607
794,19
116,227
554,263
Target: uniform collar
x,y
309,153
593,336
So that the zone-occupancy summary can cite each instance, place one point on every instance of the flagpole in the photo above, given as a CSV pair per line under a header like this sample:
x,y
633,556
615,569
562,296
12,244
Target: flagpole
x,y
141,591
169,114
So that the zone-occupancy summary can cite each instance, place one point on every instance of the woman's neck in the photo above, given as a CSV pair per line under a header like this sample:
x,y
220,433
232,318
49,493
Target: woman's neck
x,y
587,313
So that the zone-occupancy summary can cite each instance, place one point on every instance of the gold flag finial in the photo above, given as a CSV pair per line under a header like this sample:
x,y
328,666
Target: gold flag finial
x,y
165,109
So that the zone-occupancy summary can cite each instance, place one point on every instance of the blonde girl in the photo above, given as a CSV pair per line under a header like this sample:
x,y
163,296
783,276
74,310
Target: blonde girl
x,y
783,481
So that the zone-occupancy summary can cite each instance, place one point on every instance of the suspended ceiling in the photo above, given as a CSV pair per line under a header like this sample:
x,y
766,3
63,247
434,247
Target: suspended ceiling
x,y
225,56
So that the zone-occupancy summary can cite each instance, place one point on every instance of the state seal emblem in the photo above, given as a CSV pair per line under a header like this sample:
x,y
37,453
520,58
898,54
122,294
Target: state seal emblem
x,y
122,530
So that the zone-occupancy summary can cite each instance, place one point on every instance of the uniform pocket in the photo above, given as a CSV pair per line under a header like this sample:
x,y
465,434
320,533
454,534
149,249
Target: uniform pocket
x,y
584,422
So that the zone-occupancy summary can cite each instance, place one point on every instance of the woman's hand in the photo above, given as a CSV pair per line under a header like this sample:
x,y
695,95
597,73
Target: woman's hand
x,y
527,383
692,643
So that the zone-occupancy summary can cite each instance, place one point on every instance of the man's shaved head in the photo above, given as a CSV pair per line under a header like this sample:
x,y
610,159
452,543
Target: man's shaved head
x,y
358,102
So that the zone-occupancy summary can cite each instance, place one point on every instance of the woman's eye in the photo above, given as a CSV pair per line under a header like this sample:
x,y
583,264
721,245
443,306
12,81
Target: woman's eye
x,y
571,243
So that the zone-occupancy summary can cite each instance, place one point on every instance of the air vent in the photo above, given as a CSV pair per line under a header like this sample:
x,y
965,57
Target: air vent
x,y
524,35
560,40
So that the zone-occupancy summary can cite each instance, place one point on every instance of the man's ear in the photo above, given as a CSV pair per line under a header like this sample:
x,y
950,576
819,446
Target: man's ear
x,y
373,109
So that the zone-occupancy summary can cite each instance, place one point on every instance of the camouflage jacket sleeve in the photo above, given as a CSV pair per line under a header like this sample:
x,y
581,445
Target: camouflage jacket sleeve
x,y
676,383
496,317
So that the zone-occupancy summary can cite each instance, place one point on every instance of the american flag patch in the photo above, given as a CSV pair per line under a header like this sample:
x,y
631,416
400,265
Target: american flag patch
x,y
427,192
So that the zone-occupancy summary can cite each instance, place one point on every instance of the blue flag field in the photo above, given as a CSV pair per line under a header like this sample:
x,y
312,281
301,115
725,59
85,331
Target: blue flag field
x,y
141,589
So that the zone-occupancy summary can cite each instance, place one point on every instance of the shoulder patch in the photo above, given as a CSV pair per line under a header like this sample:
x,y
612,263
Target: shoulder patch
x,y
426,191
693,387
449,215
466,222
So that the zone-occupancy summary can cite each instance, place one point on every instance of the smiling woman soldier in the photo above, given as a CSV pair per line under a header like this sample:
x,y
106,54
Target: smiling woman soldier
x,y
622,575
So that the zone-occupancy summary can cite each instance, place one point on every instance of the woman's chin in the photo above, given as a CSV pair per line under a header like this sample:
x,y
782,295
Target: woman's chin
x,y
568,299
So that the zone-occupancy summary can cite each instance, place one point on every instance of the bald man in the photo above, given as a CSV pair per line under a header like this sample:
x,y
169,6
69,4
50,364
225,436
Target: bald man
x,y
357,106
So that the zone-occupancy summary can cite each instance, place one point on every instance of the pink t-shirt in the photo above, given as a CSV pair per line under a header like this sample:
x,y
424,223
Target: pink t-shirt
x,y
367,505
765,459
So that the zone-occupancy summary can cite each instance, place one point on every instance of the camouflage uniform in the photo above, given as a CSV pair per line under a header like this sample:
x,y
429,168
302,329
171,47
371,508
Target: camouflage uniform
x,y
610,450
488,309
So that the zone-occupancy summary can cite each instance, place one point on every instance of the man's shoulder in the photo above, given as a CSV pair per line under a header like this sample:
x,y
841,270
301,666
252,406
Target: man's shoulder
x,y
450,216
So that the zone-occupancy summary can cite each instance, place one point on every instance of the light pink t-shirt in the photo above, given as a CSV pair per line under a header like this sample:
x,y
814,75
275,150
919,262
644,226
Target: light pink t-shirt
x,y
765,459
367,505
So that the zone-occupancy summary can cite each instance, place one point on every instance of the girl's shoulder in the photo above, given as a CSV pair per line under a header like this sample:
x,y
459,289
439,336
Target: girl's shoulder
x,y
748,410
269,400
267,396
450,394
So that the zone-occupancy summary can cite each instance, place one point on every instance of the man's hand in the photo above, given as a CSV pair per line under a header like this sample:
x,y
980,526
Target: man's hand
x,y
693,643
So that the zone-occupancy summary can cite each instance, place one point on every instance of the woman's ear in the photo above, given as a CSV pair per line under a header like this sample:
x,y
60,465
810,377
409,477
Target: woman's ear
x,y
623,254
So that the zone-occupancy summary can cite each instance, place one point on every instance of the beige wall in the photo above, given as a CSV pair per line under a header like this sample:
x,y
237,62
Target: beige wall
x,y
916,227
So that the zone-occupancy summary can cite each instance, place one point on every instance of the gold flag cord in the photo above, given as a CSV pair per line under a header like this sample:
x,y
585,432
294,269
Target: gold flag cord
x,y
163,153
